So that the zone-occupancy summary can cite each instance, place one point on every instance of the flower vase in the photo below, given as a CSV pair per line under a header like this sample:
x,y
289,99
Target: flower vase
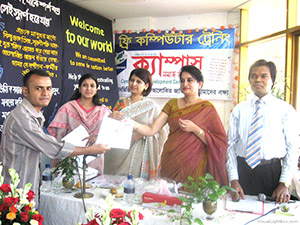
x,y
68,183
210,207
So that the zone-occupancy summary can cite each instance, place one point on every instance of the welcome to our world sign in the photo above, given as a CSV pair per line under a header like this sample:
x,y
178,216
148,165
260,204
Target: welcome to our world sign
x,y
64,40
163,54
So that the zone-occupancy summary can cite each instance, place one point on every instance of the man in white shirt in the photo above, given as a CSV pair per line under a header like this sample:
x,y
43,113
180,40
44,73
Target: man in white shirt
x,y
270,166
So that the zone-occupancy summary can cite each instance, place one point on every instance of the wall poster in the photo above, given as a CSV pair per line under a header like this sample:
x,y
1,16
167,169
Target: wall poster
x,y
60,38
164,53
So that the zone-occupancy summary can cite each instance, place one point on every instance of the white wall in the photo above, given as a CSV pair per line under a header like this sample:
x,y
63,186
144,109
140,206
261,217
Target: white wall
x,y
184,23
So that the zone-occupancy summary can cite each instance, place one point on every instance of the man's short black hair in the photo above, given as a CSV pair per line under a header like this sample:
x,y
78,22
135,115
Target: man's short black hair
x,y
269,64
38,72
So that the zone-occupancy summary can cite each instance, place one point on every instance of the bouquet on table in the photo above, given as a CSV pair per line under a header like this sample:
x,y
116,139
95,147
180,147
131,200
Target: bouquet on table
x,y
110,215
17,205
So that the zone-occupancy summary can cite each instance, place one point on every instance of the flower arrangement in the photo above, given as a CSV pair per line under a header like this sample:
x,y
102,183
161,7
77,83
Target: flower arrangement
x,y
17,205
109,215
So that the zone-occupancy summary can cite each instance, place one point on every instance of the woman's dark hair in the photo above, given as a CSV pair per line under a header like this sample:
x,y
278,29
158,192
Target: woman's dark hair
x,y
269,64
194,71
77,95
145,76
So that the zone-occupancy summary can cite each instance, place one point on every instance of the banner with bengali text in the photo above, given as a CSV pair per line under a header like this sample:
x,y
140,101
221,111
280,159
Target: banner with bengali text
x,y
36,35
163,54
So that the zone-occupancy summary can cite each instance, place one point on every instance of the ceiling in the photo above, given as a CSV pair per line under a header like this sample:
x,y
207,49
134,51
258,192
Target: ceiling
x,y
121,9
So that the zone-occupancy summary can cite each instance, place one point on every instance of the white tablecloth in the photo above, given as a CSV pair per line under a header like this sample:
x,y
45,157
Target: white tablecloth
x,y
64,209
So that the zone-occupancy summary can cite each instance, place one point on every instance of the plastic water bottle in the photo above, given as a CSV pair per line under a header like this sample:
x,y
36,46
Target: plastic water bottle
x,y
47,179
129,189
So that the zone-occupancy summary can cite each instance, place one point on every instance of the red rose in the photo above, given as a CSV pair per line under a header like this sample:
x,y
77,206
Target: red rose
x,y
98,215
24,216
117,213
117,220
13,209
5,188
10,201
38,218
92,222
140,215
30,195
2,207
124,223
26,208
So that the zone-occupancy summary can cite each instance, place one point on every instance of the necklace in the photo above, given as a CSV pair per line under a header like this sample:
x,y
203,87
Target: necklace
x,y
129,100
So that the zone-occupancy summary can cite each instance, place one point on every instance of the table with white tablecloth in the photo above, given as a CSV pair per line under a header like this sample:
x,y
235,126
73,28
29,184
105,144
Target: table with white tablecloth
x,y
62,208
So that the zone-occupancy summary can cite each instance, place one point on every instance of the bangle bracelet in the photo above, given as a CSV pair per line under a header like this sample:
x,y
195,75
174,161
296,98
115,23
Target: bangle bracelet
x,y
200,132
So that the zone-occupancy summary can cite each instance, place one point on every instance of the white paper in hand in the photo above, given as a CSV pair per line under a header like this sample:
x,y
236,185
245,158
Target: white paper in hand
x,y
115,133
75,136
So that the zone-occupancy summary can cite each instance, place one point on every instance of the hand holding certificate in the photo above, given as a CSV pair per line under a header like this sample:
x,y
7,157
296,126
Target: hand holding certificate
x,y
115,133
77,137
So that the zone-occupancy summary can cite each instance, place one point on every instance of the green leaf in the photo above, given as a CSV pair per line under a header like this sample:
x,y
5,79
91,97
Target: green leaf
x,y
190,178
229,188
208,177
199,221
184,199
213,197
171,211
221,192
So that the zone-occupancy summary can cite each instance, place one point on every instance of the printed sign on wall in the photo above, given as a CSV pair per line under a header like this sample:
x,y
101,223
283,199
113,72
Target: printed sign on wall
x,y
60,38
163,54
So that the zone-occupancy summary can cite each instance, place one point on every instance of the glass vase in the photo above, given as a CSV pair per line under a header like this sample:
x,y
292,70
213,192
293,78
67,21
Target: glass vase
x,y
209,207
68,183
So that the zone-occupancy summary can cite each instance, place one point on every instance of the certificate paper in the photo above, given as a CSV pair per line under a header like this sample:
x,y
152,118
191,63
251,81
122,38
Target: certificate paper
x,y
115,133
250,204
76,136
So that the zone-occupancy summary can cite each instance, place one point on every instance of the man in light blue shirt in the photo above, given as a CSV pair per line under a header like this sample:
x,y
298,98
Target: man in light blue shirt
x,y
276,151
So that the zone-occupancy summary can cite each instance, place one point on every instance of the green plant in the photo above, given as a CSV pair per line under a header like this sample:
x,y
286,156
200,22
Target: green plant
x,y
202,188
67,167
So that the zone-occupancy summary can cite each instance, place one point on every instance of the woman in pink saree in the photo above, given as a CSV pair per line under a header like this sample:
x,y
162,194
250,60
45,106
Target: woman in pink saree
x,y
83,108
197,141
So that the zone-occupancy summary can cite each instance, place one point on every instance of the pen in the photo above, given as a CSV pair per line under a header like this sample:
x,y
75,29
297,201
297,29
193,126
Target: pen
x,y
92,178
246,211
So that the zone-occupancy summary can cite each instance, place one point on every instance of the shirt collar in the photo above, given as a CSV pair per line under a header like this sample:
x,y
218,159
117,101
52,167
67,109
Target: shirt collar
x,y
32,110
264,99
